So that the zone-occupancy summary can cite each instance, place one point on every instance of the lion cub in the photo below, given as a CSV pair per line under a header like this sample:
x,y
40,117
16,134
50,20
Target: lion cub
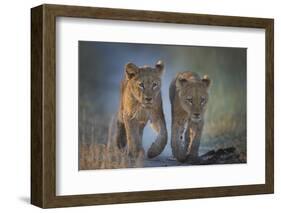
x,y
140,102
188,97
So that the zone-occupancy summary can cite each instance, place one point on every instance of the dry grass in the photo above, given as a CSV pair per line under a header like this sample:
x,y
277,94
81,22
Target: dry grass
x,y
101,156
95,152
234,125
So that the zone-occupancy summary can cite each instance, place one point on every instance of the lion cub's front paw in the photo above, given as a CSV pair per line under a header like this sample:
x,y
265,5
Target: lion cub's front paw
x,y
153,151
193,159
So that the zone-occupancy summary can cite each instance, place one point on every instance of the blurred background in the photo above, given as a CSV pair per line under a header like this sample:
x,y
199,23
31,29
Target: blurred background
x,y
101,69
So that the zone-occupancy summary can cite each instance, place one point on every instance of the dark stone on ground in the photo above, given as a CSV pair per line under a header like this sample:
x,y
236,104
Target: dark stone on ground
x,y
221,156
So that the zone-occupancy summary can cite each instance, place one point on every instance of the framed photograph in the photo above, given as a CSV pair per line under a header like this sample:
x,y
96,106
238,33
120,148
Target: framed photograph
x,y
136,106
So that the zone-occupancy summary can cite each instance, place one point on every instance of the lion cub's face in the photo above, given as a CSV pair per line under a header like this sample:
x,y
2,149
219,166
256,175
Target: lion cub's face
x,y
193,93
145,82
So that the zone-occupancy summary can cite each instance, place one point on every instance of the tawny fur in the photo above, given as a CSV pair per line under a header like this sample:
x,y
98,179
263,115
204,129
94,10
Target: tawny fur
x,y
188,97
140,102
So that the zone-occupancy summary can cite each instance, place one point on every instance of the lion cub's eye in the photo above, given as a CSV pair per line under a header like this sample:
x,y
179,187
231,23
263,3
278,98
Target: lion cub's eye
x,y
203,100
189,99
154,85
141,85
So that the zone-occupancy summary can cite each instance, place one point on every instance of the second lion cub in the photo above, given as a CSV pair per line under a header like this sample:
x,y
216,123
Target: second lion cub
x,y
189,98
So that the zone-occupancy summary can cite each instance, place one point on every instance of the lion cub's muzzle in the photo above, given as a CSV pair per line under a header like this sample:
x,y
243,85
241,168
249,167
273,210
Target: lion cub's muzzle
x,y
147,102
196,117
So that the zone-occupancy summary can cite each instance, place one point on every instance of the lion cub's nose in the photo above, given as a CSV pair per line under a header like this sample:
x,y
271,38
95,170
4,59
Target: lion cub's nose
x,y
196,115
148,99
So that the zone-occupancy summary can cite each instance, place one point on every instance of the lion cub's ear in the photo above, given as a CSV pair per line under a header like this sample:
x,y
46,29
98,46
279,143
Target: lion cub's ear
x,y
131,70
206,81
180,80
160,67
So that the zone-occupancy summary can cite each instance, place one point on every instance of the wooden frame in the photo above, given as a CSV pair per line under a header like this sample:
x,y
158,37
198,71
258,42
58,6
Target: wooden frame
x,y
43,110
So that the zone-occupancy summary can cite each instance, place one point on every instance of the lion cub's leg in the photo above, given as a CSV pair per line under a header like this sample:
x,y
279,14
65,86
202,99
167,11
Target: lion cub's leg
x,y
180,138
140,158
159,125
195,132
134,147
120,135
